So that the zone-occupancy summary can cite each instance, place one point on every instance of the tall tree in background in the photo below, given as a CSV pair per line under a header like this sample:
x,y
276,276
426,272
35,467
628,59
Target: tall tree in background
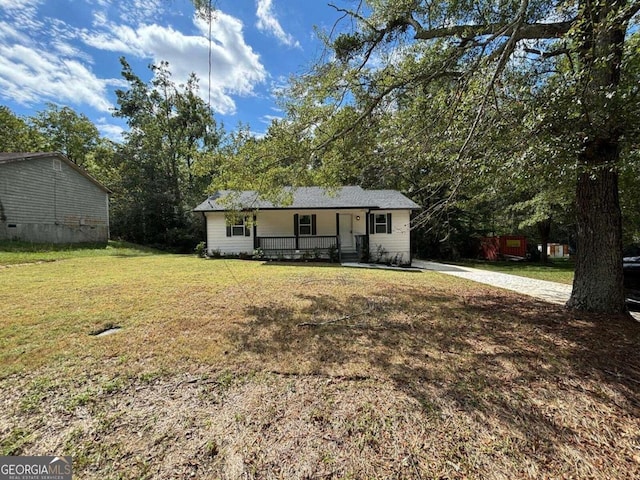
x,y
170,130
67,132
572,60
16,135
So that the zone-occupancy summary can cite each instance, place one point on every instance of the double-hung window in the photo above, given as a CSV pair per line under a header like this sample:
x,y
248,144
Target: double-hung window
x,y
237,227
304,225
380,223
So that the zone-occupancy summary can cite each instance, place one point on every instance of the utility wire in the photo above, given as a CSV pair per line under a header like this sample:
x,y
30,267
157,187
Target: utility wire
x,y
209,82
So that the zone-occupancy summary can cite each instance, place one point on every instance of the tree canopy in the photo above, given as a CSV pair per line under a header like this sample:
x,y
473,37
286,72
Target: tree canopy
x,y
64,130
16,134
444,99
155,170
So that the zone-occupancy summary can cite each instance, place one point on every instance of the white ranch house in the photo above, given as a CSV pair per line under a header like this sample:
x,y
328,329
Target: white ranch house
x,y
349,222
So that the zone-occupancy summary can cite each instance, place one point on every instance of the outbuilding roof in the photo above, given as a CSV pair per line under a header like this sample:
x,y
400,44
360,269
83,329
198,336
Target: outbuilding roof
x,y
306,198
22,156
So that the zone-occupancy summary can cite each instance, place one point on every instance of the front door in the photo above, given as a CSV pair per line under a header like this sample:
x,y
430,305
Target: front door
x,y
346,231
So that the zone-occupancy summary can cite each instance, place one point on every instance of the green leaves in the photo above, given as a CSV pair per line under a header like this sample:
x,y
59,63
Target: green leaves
x,y
163,171
66,131
17,134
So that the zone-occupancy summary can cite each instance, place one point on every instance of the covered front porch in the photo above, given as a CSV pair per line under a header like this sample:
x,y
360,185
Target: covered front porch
x,y
309,234
333,247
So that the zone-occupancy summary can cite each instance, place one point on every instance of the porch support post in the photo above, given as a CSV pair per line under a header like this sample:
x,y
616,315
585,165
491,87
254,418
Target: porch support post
x,y
338,237
366,230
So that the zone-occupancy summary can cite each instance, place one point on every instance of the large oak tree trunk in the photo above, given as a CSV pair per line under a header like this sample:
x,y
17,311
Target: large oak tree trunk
x,y
598,281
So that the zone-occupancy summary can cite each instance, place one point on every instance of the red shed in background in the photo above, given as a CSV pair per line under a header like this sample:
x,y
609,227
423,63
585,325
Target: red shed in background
x,y
492,248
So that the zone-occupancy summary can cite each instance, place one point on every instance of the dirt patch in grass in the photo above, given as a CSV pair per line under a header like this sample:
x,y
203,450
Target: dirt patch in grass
x,y
242,370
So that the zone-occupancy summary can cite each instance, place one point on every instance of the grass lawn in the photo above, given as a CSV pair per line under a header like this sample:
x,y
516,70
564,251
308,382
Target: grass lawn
x,y
241,369
16,253
556,270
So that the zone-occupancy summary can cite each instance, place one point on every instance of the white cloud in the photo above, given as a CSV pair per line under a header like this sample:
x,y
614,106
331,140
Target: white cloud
x,y
110,130
139,11
9,34
116,38
268,119
268,22
18,4
29,75
23,13
67,50
236,68
102,3
49,68
46,59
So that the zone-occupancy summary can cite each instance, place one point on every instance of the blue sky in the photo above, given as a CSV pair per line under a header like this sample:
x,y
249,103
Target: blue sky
x,y
67,52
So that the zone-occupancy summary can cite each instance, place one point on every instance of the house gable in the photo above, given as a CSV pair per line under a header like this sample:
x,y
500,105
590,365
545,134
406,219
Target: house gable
x,y
46,198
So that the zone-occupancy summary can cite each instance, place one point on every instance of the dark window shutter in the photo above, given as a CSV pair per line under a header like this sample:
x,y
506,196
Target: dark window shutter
x,y
388,223
228,230
314,229
255,233
372,223
247,231
295,224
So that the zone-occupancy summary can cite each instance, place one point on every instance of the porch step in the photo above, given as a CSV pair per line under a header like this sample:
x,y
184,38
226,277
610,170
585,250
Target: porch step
x,y
350,257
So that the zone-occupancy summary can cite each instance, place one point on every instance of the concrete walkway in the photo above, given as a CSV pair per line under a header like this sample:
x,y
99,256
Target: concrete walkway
x,y
552,292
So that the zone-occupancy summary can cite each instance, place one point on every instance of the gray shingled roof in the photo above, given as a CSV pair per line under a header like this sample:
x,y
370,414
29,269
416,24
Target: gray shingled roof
x,y
309,198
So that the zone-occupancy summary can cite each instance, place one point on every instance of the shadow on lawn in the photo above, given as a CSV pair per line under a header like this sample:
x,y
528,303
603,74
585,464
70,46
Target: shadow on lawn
x,y
487,355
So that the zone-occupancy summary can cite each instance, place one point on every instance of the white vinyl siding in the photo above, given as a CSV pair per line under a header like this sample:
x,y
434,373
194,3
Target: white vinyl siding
x,y
273,223
280,223
217,236
398,242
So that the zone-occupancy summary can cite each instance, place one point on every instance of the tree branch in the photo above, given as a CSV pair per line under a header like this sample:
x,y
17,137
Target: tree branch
x,y
550,54
528,31
626,13
375,101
